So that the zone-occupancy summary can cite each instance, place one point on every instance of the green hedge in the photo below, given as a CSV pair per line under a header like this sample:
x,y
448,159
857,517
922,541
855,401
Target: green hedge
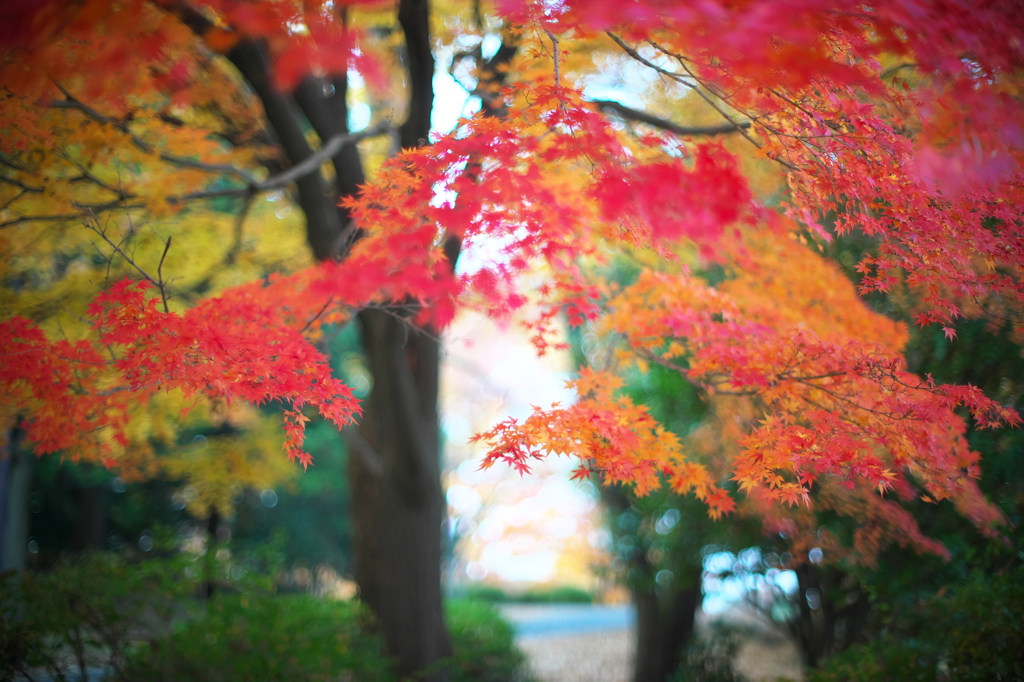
x,y
974,632
142,621
483,646
269,638
538,595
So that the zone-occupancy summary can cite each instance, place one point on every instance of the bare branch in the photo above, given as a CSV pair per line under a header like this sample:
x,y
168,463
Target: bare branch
x,y
690,81
327,151
38,218
638,116
71,102
308,165
89,209
160,274
554,47
318,314
21,185
128,259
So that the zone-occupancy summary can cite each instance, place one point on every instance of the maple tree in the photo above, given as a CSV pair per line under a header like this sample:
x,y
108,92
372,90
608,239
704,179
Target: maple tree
x,y
899,119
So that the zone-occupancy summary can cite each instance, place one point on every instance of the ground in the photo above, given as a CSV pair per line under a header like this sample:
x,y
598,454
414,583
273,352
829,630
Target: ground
x,y
564,644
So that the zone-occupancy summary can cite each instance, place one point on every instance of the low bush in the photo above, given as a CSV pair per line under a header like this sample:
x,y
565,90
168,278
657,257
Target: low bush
x,y
483,644
484,593
555,595
87,613
710,657
974,632
103,615
270,638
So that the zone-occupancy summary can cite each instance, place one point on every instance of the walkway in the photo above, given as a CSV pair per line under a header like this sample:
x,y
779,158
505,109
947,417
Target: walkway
x,y
584,643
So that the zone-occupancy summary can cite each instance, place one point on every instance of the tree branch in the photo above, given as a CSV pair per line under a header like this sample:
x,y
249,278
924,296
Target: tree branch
x,y
630,114
71,102
304,168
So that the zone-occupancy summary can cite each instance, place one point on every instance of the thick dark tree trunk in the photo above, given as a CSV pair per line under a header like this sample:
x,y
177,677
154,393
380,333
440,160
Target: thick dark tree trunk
x,y
397,499
15,487
91,522
397,502
664,627
834,611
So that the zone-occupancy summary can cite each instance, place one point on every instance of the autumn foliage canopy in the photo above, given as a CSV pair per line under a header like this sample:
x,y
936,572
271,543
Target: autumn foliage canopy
x,y
900,121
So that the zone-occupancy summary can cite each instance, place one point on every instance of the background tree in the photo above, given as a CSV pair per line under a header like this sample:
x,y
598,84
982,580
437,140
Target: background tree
x,y
836,420
194,102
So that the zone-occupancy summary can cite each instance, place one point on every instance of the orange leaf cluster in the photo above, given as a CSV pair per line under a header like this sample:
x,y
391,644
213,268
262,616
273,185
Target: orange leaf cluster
x,y
611,436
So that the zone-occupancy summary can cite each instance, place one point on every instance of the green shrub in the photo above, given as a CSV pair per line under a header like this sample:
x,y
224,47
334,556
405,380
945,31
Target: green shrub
x,y
87,612
537,595
710,656
141,620
487,593
483,644
974,632
554,595
268,638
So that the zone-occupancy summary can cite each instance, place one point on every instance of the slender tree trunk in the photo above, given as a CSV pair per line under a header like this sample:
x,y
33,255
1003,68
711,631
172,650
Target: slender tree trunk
x,y
664,615
210,560
91,522
15,487
664,627
397,499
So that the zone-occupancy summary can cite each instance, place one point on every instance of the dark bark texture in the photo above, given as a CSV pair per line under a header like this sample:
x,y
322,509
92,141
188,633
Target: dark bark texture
x,y
833,612
397,499
15,491
665,615
394,463
396,493
664,628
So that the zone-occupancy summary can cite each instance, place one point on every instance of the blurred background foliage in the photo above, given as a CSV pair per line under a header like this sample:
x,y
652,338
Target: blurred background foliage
x,y
125,617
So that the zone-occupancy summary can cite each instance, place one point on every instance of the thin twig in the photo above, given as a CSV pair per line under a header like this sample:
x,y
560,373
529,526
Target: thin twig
x,y
236,244
554,46
117,249
21,185
691,81
317,316
333,145
160,274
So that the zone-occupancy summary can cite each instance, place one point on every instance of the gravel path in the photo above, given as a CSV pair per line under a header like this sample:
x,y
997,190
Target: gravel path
x,y
607,655
593,657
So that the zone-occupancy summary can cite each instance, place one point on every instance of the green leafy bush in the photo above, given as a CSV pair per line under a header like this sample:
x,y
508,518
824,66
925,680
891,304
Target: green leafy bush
x,y
124,619
972,633
87,613
709,658
267,637
483,646
487,593
556,595
561,594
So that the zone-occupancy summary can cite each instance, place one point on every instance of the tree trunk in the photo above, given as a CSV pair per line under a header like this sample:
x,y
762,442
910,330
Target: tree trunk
x,y
15,489
91,522
664,615
664,627
394,469
839,614
397,499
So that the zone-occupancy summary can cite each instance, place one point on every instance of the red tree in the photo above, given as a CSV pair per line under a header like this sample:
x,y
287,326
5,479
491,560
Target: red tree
x,y
902,119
